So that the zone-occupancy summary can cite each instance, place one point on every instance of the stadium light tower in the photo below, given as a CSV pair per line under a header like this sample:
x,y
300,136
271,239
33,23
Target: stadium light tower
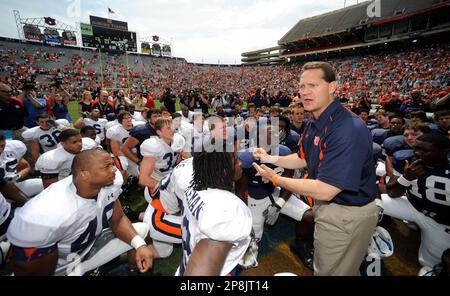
x,y
18,24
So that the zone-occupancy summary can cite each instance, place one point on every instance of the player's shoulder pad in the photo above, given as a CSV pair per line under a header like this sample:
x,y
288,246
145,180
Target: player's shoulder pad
x,y
62,122
48,162
402,155
228,220
393,143
112,132
152,147
379,134
282,150
17,147
178,143
246,158
31,133
295,136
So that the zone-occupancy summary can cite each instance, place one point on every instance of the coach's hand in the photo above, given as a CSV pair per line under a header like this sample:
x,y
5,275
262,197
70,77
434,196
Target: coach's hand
x,y
144,257
265,172
414,170
261,154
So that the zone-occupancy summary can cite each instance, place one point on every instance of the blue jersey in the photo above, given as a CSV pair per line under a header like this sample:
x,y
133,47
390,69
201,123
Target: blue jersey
x,y
394,143
430,194
399,157
142,132
258,187
291,141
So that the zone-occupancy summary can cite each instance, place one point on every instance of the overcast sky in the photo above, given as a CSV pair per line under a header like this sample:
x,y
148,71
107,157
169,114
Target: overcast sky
x,y
206,31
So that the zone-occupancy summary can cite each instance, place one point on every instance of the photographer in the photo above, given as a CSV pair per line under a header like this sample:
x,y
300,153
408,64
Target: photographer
x,y
120,99
169,99
34,105
197,100
59,101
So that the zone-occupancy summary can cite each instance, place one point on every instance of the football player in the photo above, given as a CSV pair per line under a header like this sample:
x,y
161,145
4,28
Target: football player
x,y
426,183
139,134
265,200
45,136
17,168
117,135
216,224
161,154
57,229
8,190
95,121
55,164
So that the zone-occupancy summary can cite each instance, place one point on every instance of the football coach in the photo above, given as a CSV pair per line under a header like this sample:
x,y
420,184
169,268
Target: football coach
x,y
336,150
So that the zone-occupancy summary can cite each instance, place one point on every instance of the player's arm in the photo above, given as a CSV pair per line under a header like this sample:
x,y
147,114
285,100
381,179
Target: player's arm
x,y
389,167
291,161
115,148
243,185
397,186
44,266
79,123
34,150
10,191
207,258
129,144
145,172
124,230
184,155
23,168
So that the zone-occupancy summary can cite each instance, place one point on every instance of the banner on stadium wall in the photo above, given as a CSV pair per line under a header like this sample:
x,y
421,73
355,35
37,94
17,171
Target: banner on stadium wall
x,y
86,29
146,48
70,42
69,38
52,40
166,51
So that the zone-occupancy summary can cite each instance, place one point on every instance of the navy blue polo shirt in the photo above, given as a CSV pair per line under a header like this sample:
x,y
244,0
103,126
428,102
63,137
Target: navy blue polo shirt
x,y
338,151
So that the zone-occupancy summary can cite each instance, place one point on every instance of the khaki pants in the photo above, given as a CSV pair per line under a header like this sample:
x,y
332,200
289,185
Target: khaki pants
x,y
341,237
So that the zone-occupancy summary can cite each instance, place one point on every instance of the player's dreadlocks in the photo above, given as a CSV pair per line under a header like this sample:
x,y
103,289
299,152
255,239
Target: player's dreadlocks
x,y
213,170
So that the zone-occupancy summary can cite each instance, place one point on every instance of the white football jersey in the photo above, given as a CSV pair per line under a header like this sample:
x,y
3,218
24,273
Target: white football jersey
x,y
48,139
5,207
173,186
188,119
57,161
166,156
138,117
59,216
217,215
110,124
186,130
14,151
98,125
9,159
118,133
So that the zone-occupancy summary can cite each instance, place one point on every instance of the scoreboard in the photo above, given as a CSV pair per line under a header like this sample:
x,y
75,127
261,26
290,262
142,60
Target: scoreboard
x,y
108,35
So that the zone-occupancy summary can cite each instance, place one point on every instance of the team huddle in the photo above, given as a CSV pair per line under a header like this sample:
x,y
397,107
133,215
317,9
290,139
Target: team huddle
x,y
212,184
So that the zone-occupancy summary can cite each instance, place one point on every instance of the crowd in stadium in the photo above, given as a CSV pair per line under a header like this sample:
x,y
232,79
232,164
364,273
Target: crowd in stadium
x,y
401,96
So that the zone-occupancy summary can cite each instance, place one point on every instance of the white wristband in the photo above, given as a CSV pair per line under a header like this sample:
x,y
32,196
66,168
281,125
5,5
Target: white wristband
x,y
402,181
137,242
280,202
